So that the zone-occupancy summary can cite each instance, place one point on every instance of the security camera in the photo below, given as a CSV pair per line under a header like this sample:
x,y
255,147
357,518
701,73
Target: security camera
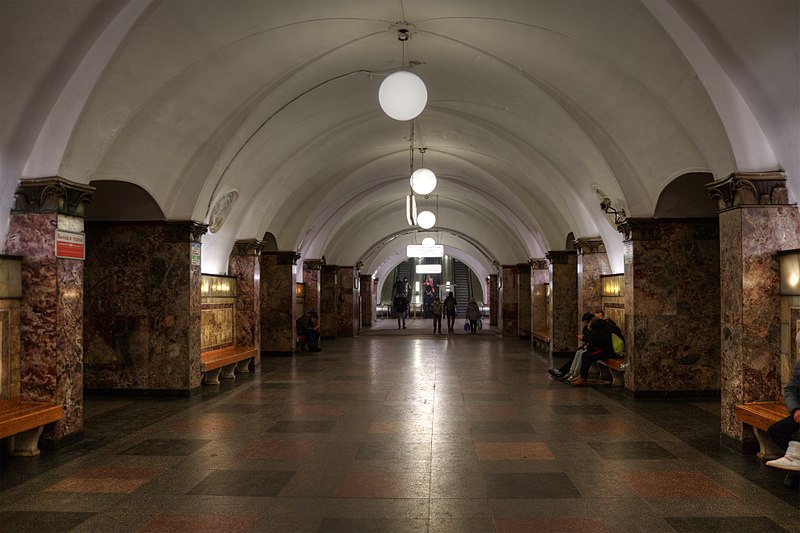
x,y
605,204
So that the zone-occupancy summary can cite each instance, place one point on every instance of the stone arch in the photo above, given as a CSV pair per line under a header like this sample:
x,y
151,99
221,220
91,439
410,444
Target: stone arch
x,y
116,200
686,197
269,242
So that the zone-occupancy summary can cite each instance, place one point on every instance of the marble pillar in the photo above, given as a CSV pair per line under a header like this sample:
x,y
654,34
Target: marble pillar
x,y
244,264
367,300
671,298
47,211
278,333
494,299
142,314
524,300
755,221
347,306
510,303
311,272
328,317
563,301
540,304
592,263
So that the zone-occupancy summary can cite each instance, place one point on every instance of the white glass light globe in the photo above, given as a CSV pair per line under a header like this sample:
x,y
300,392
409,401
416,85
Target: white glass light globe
x,y
402,95
426,219
428,241
423,181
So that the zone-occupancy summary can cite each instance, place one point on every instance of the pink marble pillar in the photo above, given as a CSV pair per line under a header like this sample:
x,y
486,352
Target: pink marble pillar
x,y
509,295
494,299
525,300
328,317
563,300
311,271
540,303
347,306
671,306
51,313
278,295
592,263
755,222
244,264
367,301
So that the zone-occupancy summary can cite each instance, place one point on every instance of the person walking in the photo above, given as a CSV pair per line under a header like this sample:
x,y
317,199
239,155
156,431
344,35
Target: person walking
x,y
401,309
473,315
436,312
450,311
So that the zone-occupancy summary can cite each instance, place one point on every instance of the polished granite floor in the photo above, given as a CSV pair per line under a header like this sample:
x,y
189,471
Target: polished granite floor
x,y
398,431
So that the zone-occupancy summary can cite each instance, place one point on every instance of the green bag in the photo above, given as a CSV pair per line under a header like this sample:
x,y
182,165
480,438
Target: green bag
x,y
618,344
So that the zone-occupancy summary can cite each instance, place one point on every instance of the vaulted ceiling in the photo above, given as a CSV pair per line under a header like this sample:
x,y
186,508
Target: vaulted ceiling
x,y
533,107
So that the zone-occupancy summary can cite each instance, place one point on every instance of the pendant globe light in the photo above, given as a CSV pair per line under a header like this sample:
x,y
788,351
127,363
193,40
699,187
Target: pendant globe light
x,y
423,181
403,95
426,219
428,241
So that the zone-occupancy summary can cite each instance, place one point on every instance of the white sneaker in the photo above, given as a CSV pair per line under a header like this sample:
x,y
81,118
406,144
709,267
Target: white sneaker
x,y
790,461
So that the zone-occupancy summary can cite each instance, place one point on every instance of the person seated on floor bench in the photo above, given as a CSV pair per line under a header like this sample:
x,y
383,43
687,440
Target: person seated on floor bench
x,y
783,430
305,326
598,348
571,368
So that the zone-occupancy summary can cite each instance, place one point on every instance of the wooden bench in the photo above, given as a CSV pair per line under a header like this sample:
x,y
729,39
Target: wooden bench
x,y
225,362
616,368
541,340
760,416
22,423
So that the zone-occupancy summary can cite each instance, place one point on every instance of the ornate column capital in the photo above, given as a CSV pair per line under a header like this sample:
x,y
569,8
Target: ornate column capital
x,y
590,245
184,231
313,264
538,264
52,195
283,257
560,257
246,247
640,229
749,189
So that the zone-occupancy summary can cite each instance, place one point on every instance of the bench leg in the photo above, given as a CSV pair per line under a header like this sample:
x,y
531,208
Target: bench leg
x,y
229,371
211,377
26,443
243,367
617,377
767,449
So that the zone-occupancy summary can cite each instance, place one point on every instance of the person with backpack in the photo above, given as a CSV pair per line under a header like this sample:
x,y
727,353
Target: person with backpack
x,y
436,312
473,315
450,311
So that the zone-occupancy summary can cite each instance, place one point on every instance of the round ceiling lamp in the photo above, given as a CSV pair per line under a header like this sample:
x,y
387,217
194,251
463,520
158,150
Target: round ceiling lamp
x,y
402,95
426,219
423,181
428,241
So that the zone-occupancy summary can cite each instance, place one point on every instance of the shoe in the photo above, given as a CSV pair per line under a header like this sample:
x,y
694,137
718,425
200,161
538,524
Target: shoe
x,y
556,373
790,461
792,480
404,327
578,382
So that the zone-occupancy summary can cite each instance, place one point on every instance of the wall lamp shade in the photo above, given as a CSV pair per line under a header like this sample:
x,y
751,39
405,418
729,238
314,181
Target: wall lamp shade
x,y
423,181
428,241
426,219
402,95
790,272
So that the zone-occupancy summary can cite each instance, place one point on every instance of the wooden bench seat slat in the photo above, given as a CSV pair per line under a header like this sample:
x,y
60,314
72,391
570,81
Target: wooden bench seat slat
x,y
542,335
17,416
214,359
761,415
617,363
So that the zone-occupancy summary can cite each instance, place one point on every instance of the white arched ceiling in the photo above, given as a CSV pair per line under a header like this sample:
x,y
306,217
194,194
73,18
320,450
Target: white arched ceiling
x,y
532,106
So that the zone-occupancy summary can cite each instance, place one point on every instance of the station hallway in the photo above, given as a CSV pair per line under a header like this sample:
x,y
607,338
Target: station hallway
x,y
387,432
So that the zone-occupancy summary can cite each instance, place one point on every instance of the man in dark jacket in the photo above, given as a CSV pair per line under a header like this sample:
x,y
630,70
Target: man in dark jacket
x,y
783,430
598,348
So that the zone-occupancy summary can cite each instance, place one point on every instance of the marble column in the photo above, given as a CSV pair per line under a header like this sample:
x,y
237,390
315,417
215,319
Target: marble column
x,y
48,210
563,301
328,317
311,272
540,303
524,300
244,264
509,295
367,301
494,299
671,297
347,307
755,221
592,263
277,302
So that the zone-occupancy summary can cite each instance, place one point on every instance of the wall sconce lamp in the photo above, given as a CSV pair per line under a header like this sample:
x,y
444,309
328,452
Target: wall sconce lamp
x,y
613,285
790,272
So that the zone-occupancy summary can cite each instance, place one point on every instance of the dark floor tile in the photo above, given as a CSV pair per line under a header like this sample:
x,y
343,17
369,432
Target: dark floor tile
x,y
530,486
394,450
336,396
348,525
236,408
242,483
586,409
40,521
715,524
486,397
302,426
166,447
270,385
630,450
511,426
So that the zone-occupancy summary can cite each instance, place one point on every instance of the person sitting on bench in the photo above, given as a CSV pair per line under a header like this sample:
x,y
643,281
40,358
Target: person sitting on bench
x,y
783,430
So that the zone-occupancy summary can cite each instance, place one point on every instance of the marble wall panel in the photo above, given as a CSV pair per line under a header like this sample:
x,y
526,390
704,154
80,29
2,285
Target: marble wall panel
x,y
494,299
367,300
347,308
311,282
672,311
525,300
590,287
247,309
564,301
750,306
510,304
328,317
277,302
540,278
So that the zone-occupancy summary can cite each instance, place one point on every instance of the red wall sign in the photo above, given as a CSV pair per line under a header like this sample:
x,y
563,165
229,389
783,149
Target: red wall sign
x,y
70,245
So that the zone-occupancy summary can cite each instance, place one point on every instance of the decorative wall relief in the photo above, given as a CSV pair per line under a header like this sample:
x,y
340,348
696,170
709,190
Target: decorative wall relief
x,y
221,210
